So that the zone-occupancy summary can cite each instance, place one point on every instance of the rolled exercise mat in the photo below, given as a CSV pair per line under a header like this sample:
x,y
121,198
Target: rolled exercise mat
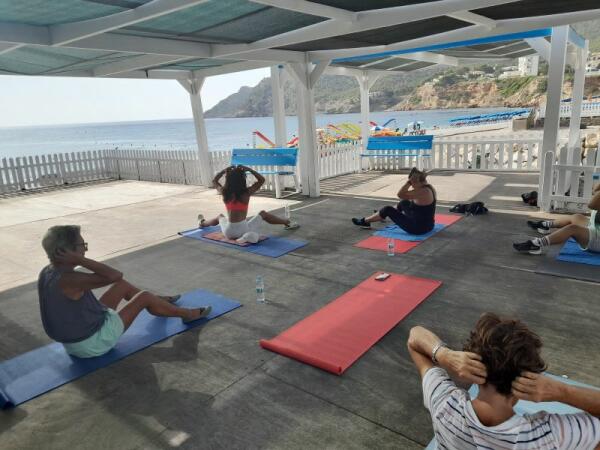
x,y
335,336
41,370
273,247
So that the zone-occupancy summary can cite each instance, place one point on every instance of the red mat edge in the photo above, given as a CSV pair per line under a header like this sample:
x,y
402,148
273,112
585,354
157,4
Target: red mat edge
x,y
268,344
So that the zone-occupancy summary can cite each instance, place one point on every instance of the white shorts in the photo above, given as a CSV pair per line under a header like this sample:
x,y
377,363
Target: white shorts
x,y
594,240
249,230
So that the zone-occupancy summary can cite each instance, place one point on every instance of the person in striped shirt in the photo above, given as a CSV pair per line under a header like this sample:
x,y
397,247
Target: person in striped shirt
x,y
503,357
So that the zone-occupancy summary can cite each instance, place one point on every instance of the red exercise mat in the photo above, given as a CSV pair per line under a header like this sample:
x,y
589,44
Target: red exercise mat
x,y
339,333
218,236
400,246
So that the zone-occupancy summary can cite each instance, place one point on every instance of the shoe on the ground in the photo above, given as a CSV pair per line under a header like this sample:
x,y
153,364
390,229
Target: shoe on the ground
x,y
292,225
538,226
200,220
361,223
205,312
527,247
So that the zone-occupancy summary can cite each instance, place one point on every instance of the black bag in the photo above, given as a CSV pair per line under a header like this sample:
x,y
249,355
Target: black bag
x,y
474,209
530,198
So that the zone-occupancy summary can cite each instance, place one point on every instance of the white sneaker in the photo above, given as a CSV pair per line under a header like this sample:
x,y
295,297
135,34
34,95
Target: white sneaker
x,y
292,225
200,220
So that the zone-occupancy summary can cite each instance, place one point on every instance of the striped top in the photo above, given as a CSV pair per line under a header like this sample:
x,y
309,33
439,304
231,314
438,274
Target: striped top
x,y
457,427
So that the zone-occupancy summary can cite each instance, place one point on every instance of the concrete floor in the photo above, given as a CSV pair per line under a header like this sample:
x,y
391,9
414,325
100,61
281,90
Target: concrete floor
x,y
214,387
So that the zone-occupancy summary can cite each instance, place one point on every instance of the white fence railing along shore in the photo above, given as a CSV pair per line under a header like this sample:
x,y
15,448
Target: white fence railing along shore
x,y
588,109
502,153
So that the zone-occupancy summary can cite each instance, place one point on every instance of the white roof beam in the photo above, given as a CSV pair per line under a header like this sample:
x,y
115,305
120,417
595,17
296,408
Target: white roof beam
x,y
155,74
231,68
365,20
69,32
379,61
472,32
138,62
314,9
430,57
350,72
475,19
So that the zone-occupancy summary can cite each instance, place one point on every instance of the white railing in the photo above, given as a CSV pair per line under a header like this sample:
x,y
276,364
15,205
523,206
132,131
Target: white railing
x,y
568,187
588,109
338,159
483,154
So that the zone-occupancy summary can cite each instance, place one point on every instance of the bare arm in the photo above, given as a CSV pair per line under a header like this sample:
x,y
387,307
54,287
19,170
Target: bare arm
x,y
465,366
537,387
74,284
260,180
595,201
405,193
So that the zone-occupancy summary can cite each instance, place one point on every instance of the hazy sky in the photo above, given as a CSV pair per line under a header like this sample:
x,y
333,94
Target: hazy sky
x,y
50,100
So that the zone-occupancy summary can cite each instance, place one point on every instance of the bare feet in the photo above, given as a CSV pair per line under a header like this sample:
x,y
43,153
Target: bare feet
x,y
197,314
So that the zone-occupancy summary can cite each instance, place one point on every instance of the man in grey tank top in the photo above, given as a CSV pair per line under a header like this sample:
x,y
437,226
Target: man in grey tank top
x,y
71,313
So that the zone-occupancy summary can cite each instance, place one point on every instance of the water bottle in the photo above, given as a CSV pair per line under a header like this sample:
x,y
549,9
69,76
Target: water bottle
x,y
260,290
287,211
390,247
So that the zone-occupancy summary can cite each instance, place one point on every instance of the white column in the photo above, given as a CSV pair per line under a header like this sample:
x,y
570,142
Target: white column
x,y
576,103
306,76
194,86
278,100
556,71
365,128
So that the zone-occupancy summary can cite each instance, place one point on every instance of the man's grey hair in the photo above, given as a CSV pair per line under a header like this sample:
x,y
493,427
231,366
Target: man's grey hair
x,y
60,237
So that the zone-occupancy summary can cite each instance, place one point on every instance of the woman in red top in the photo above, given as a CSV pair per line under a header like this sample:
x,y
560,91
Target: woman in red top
x,y
236,196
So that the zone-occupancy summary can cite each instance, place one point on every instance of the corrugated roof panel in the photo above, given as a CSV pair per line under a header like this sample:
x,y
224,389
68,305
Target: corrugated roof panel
x,y
531,8
53,12
363,5
382,36
415,66
197,18
198,64
259,25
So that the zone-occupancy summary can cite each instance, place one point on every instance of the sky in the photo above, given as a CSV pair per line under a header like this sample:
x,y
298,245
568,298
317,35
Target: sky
x,y
31,101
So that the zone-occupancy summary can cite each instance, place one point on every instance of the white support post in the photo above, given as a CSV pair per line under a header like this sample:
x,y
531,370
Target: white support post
x,y
556,71
306,78
194,86
366,81
576,103
278,100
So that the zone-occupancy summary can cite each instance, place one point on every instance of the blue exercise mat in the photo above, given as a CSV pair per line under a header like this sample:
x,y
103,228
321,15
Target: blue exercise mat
x,y
273,247
526,407
395,232
571,252
39,371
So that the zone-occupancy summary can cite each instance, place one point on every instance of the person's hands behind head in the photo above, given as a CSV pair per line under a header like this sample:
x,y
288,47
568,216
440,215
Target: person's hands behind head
x,y
535,387
70,257
465,366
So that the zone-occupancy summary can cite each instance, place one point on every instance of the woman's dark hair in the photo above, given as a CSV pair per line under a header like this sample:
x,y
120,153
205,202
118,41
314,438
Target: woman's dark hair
x,y
507,348
235,184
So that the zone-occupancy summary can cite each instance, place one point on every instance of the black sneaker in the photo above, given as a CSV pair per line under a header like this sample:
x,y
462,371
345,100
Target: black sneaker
x,y
528,247
539,226
361,223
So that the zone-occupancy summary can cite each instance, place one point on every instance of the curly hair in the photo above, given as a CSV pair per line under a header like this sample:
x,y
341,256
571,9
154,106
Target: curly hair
x,y
235,184
507,347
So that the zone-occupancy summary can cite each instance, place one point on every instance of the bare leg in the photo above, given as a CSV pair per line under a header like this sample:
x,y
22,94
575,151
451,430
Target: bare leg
x,y
118,291
575,219
581,235
273,219
211,222
155,306
374,218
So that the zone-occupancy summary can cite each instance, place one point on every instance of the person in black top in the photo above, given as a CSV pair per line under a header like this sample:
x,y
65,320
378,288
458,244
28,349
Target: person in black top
x,y
415,213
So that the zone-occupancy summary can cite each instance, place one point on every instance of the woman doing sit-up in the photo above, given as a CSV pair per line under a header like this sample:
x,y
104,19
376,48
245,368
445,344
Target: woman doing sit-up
x,y
72,315
585,230
236,196
415,213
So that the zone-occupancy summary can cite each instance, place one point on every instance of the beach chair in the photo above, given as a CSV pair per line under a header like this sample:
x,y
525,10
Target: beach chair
x,y
278,162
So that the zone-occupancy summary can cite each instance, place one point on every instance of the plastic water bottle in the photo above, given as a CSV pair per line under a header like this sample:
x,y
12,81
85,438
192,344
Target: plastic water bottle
x,y
287,211
390,247
260,290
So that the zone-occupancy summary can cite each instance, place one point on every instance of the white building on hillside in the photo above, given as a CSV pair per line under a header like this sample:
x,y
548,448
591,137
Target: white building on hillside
x,y
529,65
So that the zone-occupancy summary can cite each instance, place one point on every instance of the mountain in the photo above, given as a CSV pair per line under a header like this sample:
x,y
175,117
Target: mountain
x,y
430,88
